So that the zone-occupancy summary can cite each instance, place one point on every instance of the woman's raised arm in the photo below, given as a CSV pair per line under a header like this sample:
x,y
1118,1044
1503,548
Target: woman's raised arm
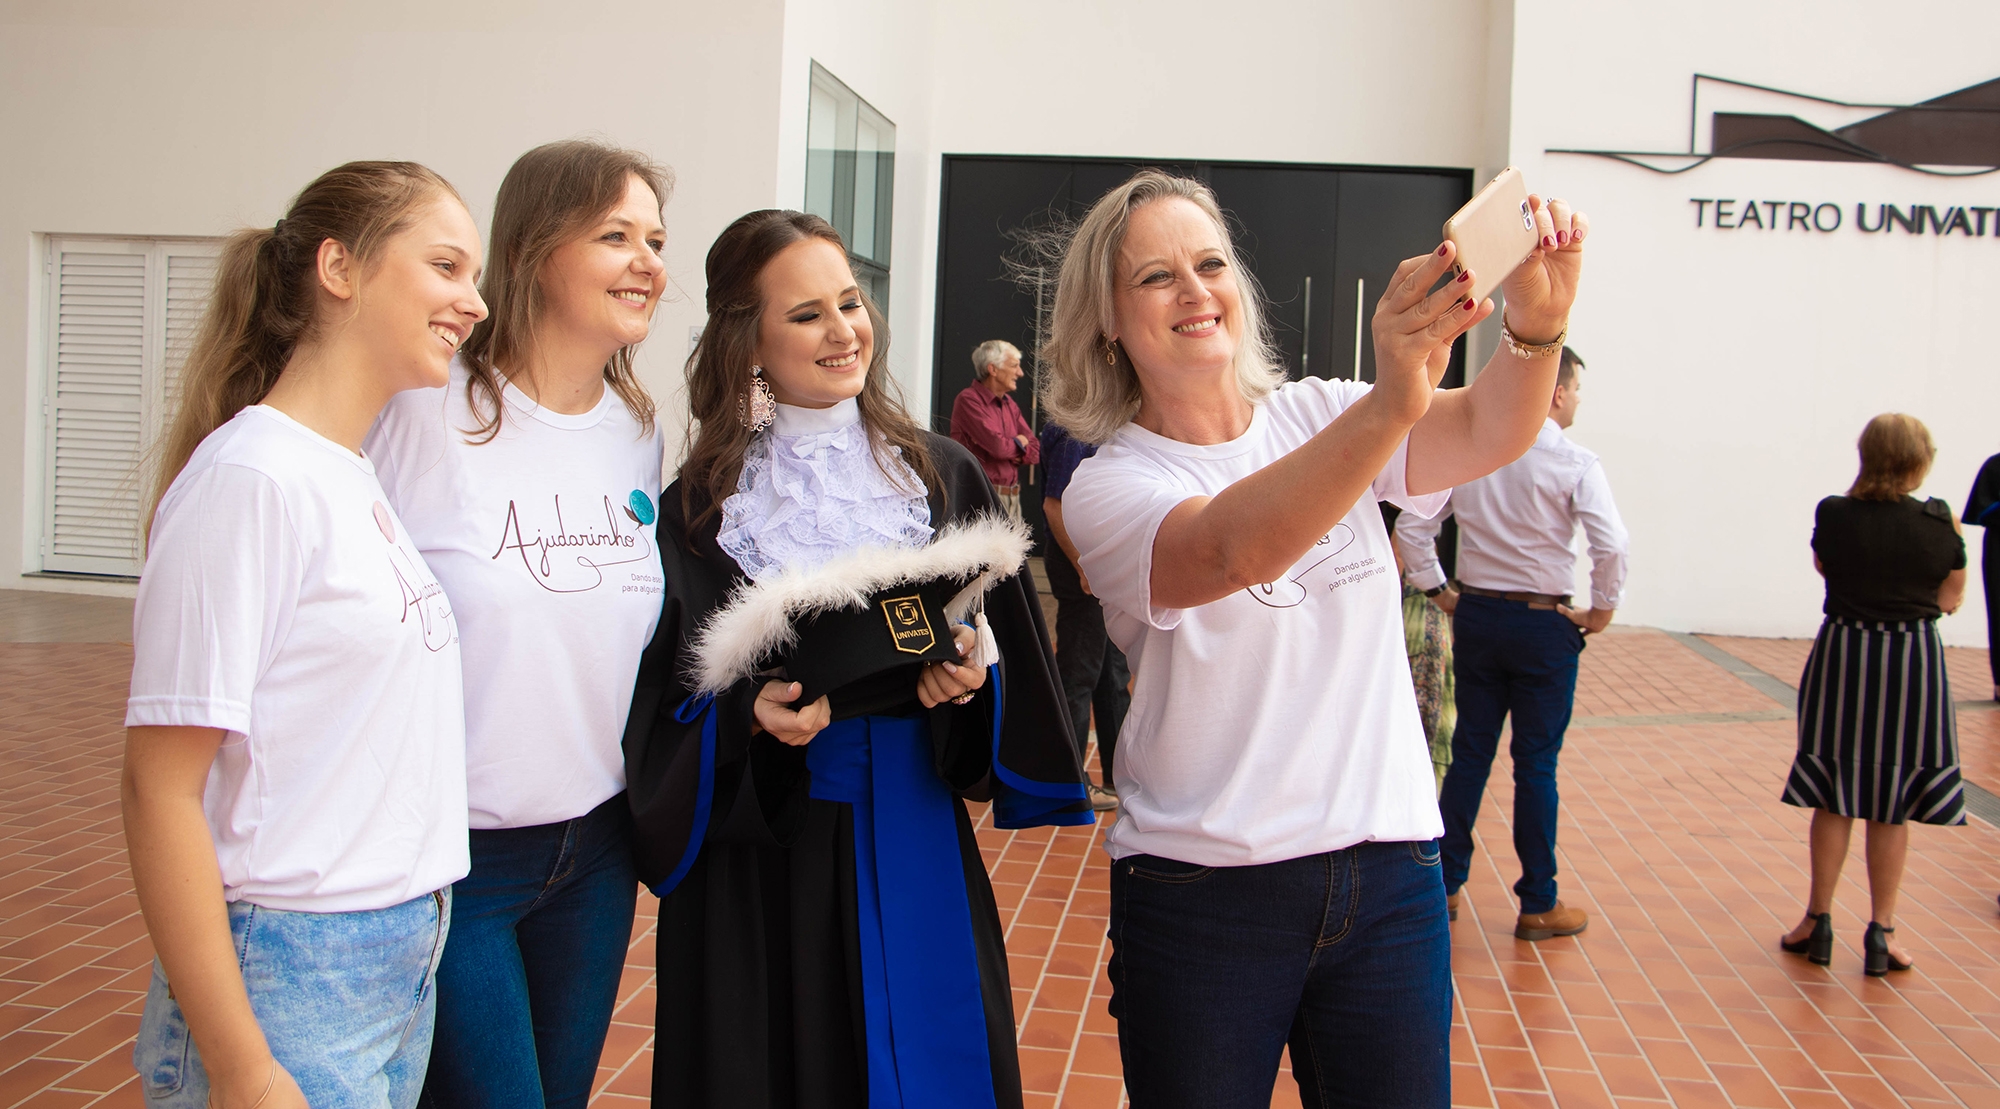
x,y
1251,532
1471,432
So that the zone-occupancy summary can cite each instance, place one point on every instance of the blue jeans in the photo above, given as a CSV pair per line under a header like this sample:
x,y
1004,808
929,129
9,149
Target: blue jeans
x,y
1509,658
344,999
1344,955
528,984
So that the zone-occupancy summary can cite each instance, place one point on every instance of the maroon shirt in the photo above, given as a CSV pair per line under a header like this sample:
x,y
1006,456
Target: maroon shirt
x,y
986,426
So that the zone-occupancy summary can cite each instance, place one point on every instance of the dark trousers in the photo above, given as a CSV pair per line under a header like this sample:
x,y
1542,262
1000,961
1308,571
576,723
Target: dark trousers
x,y
1093,671
1344,956
1989,576
530,971
1509,659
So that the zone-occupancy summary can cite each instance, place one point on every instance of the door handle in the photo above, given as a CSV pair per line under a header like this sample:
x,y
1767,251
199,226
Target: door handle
x,y
1360,294
1306,343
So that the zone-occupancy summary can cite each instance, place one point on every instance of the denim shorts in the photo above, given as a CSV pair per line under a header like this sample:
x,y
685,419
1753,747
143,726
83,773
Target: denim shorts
x,y
346,1001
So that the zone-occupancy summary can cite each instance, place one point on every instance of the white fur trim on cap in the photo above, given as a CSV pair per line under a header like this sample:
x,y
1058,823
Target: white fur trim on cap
x,y
758,621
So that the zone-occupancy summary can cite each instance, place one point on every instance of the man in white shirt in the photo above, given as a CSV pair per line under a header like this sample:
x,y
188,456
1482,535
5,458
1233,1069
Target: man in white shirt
x,y
1516,638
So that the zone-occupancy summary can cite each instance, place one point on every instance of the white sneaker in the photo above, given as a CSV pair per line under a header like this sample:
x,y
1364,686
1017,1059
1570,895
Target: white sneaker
x,y
1103,798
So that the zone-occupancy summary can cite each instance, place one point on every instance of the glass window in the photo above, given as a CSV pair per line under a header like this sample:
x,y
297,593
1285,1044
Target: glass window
x,y
851,176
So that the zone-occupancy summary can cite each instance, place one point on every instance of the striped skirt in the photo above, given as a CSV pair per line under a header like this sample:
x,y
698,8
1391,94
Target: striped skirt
x,y
1878,738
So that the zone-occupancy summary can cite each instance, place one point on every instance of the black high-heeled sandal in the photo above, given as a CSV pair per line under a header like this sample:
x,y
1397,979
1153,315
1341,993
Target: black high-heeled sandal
x,y
1875,949
1817,947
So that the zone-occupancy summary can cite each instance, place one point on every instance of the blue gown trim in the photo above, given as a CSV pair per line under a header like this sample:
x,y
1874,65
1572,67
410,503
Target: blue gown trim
x,y
1020,802
921,1000
702,705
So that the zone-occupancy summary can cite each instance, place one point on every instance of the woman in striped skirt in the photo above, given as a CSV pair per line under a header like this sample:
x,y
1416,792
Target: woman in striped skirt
x,y
1878,739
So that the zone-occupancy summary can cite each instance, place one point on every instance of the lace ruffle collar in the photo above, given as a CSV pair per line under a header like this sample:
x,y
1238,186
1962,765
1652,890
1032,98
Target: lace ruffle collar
x,y
811,491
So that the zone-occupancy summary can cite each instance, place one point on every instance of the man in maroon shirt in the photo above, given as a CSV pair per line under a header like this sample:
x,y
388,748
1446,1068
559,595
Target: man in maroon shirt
x,y
990,425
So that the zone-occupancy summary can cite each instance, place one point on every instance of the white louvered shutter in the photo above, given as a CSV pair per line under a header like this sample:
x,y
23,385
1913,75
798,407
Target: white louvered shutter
x,y
96,400
122,316
190,279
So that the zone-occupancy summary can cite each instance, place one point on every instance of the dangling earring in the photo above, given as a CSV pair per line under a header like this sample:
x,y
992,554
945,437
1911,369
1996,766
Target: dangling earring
x,y
757,408
1110,352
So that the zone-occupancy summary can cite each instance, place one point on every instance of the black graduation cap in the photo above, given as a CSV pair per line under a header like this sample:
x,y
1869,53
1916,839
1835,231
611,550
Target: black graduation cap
x,y
867,659
858,628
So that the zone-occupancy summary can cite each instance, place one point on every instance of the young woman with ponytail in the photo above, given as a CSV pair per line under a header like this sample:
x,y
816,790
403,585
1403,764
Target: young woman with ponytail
x,y
529,482
294,786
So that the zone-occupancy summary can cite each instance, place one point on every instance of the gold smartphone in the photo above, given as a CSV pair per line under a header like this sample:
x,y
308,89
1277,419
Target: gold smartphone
x,y
1494,232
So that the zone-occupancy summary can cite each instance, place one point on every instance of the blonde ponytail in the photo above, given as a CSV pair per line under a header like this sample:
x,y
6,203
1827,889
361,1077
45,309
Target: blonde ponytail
x,y
265,296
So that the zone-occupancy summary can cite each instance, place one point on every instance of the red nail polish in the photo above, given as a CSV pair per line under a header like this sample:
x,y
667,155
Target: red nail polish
x,y
1469,305
1442,249
1464,277
1549,241
1562,237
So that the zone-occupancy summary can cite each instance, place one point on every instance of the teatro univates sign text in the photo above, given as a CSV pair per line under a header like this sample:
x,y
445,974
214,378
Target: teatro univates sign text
x,y
1729,214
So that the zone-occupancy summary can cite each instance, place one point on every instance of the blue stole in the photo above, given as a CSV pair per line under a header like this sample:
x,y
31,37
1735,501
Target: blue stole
x,y
1022,802
919,968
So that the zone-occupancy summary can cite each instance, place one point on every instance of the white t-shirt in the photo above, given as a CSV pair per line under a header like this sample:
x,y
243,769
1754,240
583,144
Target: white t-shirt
x,y
544,539
1278,721
283,602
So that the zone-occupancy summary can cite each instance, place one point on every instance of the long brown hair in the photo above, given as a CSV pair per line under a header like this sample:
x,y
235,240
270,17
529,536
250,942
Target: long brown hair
x,y
552,194
1896,453
265,297
718,372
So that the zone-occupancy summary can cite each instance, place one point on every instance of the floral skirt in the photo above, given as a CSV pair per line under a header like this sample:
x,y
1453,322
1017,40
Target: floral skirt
x,y
1427,634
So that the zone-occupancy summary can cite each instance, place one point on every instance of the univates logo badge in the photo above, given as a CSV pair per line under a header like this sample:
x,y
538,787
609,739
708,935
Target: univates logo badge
x,y
909,625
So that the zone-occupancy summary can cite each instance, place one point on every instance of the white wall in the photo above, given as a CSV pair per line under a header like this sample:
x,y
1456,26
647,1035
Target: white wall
x,y
1280,80
883,50
1731,371
130,118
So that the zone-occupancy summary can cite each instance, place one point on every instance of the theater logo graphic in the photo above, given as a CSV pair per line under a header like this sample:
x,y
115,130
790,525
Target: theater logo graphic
x,y
1956,134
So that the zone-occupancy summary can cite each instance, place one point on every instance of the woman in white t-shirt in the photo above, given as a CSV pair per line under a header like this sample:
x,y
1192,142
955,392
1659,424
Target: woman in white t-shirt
x,y
1276,873
529,481
294,786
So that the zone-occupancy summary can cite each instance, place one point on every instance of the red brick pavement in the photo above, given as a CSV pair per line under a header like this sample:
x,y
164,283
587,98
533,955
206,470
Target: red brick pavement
x,y
1784,659
1971,683
1671,836
74,958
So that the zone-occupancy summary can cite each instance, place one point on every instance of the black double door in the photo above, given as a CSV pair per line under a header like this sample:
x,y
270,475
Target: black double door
x,y
1320,240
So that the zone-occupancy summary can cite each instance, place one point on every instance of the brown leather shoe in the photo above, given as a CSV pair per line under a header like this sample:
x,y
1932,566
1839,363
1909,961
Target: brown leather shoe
x,y
1558,921
1451,906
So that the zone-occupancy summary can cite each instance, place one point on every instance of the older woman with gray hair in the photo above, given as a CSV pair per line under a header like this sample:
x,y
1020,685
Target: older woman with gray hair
x,y
1276,873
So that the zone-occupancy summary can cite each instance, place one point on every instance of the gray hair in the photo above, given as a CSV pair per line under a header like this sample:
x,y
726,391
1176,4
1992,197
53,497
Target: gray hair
x,y
991,353
1093,397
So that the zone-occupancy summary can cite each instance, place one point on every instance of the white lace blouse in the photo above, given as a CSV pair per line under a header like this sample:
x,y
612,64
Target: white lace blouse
x,y
811,490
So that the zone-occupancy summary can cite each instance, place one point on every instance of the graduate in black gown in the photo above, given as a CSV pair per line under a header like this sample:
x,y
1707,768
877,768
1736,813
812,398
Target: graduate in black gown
x,y
816,704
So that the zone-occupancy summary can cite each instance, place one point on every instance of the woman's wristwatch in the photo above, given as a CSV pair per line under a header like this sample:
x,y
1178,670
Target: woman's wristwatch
x,y
1520,349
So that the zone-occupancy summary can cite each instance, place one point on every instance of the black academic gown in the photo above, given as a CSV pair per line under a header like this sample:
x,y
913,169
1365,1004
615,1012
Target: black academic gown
x,y
759,1002
1981,507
